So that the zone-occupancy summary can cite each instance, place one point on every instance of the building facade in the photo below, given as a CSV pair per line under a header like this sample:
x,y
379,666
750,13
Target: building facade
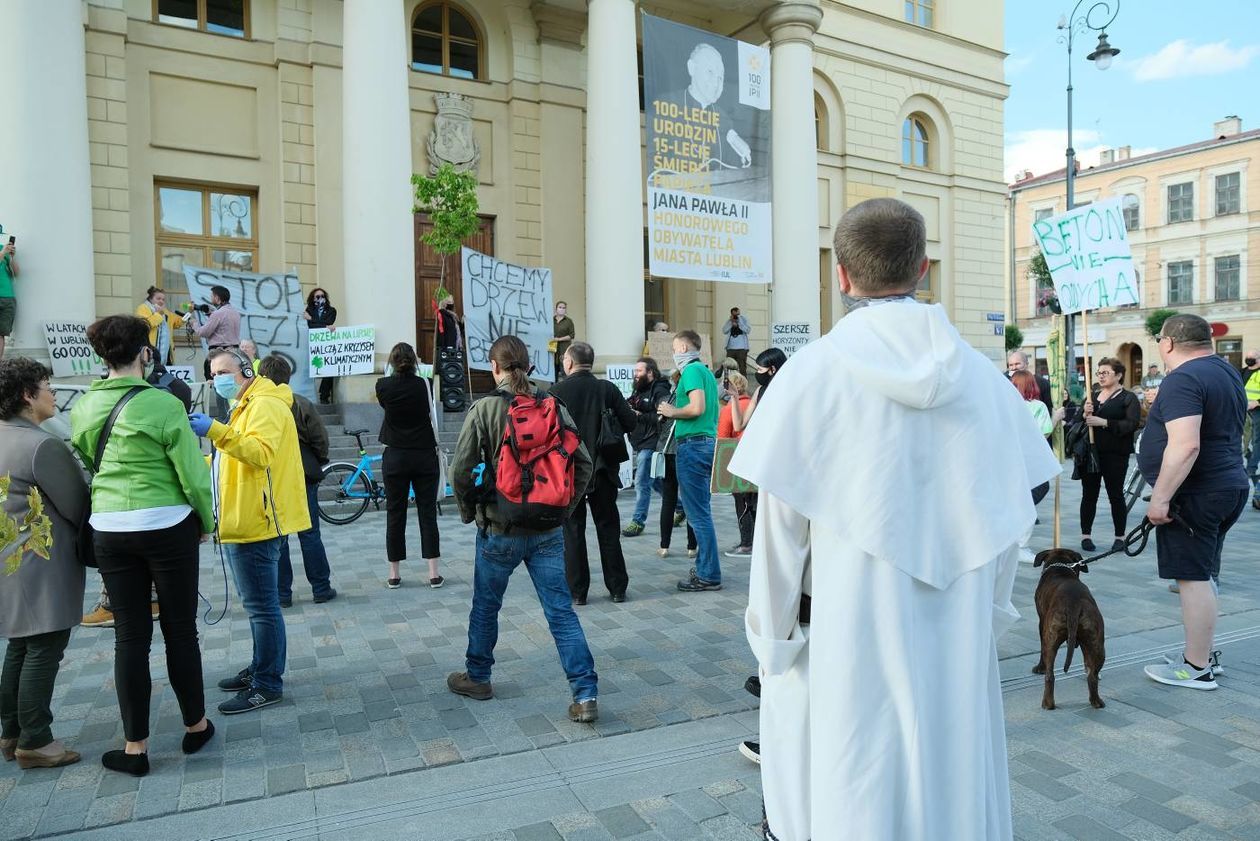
x,y
1193,220
275,135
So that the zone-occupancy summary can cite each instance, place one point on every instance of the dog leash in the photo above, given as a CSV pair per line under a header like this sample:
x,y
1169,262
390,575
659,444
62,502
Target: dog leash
x,y
1135,541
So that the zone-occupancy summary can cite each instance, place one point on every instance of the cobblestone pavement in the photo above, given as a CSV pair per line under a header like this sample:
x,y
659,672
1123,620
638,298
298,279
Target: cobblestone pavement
x,y
369,744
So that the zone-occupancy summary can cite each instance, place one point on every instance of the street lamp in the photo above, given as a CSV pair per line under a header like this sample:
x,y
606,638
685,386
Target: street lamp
x,y
1096,18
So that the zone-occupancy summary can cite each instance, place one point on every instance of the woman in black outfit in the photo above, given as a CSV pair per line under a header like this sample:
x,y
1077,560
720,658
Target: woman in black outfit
x,y
320,314
1113,414
410,461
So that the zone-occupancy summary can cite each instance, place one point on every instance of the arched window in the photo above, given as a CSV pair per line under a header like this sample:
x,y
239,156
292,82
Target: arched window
x,y
1132,212
915,149
445,40
820,123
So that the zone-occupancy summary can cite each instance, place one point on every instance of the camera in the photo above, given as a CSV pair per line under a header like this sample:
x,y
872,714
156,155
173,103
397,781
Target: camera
x,y
204,309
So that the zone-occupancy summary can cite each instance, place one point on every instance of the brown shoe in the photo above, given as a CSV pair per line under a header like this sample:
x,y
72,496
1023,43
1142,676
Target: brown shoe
x,y
100,617
461,684
584,712
52,755
8,748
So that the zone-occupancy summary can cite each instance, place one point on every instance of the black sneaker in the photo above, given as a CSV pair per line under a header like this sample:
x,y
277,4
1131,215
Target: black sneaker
x,y
1088,545
241,680
326,597
286,603
695,584
248,700
753,686
751,751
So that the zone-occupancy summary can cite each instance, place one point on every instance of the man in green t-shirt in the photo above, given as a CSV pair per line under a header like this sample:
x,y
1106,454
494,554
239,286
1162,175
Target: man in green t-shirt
x,y
695,414
8,303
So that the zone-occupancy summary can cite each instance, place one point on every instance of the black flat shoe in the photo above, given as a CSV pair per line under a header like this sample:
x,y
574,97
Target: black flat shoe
x,y
194,742
135,764
1088,545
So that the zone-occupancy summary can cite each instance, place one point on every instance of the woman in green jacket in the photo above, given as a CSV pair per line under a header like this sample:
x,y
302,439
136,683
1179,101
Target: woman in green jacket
x,y
151,507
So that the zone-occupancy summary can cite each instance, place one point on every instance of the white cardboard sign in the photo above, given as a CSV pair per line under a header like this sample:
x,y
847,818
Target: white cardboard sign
x,y
1087,252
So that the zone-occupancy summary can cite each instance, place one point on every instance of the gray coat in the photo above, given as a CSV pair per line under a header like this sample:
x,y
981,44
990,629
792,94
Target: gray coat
x,y
43,595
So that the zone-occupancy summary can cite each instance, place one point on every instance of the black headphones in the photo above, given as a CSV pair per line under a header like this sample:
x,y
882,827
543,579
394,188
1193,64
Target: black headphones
x,y
247,367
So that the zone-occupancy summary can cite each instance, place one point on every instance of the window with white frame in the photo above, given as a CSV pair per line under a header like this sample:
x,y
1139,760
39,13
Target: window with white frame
x,y
919,12
1227,193
1181,282
1227,278
1132,211
1180,202
1043,214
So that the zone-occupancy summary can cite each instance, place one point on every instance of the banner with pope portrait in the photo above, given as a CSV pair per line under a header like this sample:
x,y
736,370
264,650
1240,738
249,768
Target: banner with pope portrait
x,y
707,107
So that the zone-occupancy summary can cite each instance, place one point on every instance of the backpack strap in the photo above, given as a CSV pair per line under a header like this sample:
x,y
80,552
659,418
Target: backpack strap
x,y
109,425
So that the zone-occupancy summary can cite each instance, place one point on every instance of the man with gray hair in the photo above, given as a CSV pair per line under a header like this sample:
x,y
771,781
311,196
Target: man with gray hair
x,y
1017,360
871,715
1189,457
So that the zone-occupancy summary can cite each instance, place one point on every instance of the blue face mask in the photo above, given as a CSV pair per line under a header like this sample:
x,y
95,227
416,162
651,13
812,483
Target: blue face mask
x,y
225,386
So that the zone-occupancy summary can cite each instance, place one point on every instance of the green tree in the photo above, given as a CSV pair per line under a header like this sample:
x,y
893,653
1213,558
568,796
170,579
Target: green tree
x,y
1014,338
1155,321
450,199
1043,284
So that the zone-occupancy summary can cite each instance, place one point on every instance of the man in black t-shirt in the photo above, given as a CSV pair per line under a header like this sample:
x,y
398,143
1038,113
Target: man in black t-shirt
x,y
1190,457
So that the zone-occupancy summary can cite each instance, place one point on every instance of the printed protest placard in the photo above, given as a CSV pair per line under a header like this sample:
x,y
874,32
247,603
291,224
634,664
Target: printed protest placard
x,y
791,336
1087,252
342,351
271,307
504,299
68,347
708,154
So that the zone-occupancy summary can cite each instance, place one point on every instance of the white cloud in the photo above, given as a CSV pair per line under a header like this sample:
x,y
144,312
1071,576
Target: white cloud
x,y
1018,64
1181,58
1043,151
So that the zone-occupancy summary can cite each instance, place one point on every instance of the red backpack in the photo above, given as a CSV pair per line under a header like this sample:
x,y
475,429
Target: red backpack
x,y
534,478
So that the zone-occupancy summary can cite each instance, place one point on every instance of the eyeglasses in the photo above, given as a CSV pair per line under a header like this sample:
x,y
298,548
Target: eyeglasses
x,y
1106,371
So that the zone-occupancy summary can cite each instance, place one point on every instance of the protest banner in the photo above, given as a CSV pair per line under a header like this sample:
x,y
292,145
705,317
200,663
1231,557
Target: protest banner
x,y
271,307
1087,252
342,351
707,105
723,481
187,373
660,346
504,299
69,350
621,376
791,336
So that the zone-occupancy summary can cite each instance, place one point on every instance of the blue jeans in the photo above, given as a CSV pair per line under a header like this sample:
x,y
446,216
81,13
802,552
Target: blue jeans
x,y
644,484
254,569
314,558
497,556
695,468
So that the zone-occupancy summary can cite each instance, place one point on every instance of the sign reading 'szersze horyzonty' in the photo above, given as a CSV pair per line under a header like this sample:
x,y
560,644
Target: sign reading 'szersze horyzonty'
x,y
707,103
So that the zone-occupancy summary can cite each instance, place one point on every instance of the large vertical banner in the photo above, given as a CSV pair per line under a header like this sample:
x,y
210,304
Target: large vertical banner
x,y
707,104
271,308
504,299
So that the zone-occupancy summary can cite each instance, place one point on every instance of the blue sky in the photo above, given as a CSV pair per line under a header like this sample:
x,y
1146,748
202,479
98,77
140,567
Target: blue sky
x,y
1182,66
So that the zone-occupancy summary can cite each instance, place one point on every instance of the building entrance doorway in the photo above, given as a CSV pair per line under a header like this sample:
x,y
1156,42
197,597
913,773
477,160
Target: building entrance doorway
x,y
428,278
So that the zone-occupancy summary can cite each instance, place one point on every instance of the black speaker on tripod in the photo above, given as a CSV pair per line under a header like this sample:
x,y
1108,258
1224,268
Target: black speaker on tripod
x,y
450,370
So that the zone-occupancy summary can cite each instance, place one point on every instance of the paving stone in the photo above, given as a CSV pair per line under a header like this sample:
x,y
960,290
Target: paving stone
x,y
1157,814
622,821
286,779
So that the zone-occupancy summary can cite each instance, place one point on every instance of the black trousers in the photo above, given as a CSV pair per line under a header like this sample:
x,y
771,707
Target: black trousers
x,y
131,563
602,497
746,513
741,359
26,687
1114,467
326,389
670,503
416,469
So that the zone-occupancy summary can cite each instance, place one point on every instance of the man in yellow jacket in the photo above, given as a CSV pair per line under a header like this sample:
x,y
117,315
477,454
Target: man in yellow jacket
x,y
1251,381
260,493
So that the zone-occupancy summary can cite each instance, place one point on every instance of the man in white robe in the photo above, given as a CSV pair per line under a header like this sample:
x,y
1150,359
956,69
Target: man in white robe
x,y
895,464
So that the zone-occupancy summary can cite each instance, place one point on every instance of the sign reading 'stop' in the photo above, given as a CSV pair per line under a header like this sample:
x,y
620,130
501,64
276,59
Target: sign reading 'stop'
x,y
708,154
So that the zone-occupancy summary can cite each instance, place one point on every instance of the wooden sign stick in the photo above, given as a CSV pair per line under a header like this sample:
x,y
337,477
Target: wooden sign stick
x,y
1089,380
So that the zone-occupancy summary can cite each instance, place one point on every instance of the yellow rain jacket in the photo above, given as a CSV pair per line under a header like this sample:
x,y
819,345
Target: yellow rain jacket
x,y
259,485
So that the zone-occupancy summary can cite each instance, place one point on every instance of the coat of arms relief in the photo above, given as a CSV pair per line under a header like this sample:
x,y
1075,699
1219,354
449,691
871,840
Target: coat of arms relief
x,y
451,141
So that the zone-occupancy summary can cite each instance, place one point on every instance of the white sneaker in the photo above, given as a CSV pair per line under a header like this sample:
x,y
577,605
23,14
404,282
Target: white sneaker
x,y
751,751
1214,661
1182,675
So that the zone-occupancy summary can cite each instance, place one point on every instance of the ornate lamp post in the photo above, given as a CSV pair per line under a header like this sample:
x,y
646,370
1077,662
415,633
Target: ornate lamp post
x,y
1096,18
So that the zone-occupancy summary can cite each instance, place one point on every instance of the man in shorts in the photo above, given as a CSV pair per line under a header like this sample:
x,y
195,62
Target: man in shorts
x,y
1190,458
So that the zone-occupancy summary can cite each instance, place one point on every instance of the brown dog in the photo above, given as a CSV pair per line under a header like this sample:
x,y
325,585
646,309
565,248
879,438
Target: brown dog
x,y
1067,612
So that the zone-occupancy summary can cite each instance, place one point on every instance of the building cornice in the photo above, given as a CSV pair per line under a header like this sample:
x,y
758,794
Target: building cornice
x,y
558,25
792,22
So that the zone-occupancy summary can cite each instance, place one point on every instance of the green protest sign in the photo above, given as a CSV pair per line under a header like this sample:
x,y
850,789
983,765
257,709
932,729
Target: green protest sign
x,y
723,480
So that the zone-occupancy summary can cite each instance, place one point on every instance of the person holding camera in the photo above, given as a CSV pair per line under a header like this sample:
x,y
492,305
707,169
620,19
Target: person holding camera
x,y
222,331
8,303
736,330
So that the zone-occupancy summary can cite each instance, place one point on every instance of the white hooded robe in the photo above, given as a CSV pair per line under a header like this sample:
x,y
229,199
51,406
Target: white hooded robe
x,y
895,464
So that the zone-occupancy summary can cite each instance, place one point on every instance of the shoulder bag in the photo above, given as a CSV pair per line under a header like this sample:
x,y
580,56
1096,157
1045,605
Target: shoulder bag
x,y
87,536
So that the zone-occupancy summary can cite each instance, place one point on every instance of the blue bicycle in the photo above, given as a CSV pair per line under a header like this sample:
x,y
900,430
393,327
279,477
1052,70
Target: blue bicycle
x,y
347,488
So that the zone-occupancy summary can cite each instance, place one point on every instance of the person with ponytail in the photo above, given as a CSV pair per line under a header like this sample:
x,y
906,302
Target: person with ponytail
x,y
769,361
500,548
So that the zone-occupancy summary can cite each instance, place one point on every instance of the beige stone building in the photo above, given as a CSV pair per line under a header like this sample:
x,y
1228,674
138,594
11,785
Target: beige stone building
x,y
1193,220
269,135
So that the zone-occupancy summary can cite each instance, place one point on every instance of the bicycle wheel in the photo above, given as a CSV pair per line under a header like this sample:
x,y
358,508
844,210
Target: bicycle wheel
x,y
342,496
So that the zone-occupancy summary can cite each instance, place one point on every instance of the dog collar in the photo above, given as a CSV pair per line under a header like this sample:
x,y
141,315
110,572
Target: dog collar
x,y
1076,565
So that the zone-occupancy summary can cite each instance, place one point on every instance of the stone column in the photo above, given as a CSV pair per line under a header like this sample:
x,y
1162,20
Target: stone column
x,y
794,163
378,226
46,198
614,185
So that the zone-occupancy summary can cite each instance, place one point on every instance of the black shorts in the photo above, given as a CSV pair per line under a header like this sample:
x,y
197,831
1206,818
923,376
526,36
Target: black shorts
x,y
1186,557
